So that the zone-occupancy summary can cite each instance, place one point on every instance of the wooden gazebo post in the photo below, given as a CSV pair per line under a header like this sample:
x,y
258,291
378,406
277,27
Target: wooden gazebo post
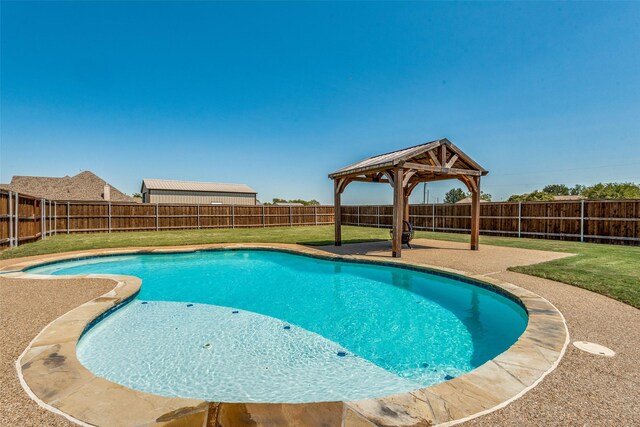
x,y
475,214
337,216
398,214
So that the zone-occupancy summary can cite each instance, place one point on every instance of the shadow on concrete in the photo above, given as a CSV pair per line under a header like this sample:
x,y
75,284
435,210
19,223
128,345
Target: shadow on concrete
x,y
375,248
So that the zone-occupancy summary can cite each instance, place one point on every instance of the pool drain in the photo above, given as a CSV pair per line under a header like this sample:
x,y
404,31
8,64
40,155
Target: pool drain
x,y
594,348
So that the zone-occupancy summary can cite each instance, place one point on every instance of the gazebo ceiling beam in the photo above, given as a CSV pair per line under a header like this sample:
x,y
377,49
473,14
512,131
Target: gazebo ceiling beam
x,y
390,177
414,177
439,169
407,176
434,158
451,161
369,179
469,182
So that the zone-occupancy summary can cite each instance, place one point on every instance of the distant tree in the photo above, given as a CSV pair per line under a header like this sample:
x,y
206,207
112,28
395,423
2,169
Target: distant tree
x,y
136,195
577,190
535,196
613,190
556,190
485,196
312,202
454,195
305,202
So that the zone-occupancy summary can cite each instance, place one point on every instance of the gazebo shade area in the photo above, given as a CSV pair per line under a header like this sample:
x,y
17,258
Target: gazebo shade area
x,y
404,170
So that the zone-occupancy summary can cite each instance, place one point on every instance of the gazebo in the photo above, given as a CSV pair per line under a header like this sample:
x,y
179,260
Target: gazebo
x,y
404,170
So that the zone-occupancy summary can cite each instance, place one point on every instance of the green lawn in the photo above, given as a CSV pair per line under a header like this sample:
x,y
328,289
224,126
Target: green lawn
x,y
610,270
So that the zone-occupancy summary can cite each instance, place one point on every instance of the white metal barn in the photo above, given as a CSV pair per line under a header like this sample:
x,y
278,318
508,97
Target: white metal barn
x,y
196,193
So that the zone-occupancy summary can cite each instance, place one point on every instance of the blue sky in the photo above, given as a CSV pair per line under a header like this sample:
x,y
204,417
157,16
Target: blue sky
x,y
278,95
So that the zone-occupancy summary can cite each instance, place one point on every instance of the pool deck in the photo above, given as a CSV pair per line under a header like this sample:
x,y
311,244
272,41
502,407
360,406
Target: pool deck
x,y
582,393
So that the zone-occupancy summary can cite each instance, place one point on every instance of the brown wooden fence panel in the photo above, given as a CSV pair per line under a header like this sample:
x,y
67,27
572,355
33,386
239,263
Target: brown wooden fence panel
x,y
596,221
6,234
599,221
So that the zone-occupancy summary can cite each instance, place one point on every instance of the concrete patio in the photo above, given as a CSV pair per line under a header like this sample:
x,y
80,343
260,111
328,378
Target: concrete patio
x,y
584,390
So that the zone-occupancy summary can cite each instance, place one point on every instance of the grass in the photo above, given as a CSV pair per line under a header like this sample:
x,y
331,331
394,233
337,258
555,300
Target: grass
x,y
321,235
611,270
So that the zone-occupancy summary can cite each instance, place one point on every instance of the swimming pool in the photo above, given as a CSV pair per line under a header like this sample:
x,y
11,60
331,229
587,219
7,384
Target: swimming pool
x,y
266,326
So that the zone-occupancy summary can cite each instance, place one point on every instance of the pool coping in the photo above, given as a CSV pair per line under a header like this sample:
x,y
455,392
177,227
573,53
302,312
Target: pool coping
x,y
52,376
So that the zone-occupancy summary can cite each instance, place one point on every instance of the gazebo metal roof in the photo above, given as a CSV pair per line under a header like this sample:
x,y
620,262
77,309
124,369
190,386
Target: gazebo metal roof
x,y
421,154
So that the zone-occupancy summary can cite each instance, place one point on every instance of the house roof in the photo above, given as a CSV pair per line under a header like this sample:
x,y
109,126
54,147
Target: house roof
x,y
468,200
568,198
416,154
84,186
214,187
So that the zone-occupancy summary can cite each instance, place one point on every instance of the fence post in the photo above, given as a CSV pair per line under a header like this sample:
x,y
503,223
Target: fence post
x,y
157,222
68,217
358,220
433,217
50,218
582,220
10,219
198,213
290,217
378,216
55,218
109,217
16,233
43,222
264,224
233,216
519,219
315,214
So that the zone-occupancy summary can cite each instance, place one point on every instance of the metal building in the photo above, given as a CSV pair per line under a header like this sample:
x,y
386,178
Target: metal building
x,y
202,193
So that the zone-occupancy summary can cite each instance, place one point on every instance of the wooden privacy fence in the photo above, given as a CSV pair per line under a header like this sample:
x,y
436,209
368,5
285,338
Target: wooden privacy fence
x,y
25,219
597,221
34,219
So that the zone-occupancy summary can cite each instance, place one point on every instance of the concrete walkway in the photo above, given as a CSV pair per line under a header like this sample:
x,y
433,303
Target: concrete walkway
x,y
488,259
585,390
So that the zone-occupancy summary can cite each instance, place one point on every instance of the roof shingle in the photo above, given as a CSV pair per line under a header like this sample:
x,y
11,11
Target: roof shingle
x,y
84,186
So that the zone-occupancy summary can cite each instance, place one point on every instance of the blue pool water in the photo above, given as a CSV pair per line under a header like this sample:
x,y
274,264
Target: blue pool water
x,y
269,326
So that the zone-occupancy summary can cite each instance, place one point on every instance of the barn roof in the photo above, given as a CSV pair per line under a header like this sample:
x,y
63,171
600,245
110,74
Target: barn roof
x,y
213,187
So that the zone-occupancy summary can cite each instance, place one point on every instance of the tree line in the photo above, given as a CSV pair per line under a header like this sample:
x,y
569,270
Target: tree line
x,y
610,190
303,202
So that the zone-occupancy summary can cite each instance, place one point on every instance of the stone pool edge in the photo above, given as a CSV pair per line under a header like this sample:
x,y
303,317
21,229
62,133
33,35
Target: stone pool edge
x,y
52,376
